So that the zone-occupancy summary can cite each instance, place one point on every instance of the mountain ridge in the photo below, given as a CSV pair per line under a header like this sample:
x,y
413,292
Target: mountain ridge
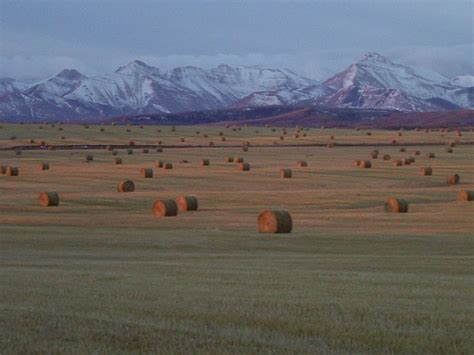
x,y
374,82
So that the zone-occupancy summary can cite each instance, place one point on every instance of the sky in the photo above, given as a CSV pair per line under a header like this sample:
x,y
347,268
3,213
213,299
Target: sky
x,y
318,38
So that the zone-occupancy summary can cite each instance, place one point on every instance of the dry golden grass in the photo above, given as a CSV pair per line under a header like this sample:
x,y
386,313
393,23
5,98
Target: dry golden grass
x,y
100,273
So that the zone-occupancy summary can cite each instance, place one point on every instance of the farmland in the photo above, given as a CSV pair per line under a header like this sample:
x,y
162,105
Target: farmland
x,y
100,273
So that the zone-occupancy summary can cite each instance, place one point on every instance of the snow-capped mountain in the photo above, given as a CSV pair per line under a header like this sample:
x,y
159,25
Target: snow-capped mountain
x,y
138,88
377,82
465,81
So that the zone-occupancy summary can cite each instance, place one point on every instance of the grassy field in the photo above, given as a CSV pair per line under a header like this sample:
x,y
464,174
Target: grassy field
x,y
100,273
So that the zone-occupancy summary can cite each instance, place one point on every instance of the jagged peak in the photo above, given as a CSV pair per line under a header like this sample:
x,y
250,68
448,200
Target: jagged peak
x,y
70,74
136,66
374,57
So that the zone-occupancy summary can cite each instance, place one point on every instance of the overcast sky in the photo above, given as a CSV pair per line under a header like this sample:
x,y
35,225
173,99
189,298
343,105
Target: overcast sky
x,y
315,38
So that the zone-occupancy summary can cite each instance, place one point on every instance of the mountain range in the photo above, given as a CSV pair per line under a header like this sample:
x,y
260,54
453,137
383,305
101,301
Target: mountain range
x,y
374,82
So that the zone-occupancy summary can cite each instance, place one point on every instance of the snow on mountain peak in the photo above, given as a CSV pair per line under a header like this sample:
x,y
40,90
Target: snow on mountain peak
x,y
70,74
374,57
372,82
465,81
137,67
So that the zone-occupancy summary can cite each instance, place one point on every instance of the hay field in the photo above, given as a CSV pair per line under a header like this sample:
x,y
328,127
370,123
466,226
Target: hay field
x,y
99,273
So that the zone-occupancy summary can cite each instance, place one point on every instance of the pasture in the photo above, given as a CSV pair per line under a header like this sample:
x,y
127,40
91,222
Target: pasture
x,y
100,273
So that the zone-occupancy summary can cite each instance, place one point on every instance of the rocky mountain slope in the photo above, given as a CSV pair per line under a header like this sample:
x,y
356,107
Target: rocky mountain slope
x,y
374,82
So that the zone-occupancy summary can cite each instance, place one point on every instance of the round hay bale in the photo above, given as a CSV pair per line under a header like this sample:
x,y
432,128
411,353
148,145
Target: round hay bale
x,y
47,199
374,155
365,164
369,133
229,159
301,164
126,186
466,195
399,134
159,150
403,150
296,135
452,144
102,130
43,166
145,151
223,139
397,162
187,203
276,221
416,152
386,157
396,205
205,162
205,136
12,171
211,143
331,137
131,143
221,133
182,139
167,166
159,163
118,161
165,208
239,160
244,166
63,137
449,150
146,172
282,138
89,157
453,179
430,155
31,141
426,171
114,152
286,173
129,151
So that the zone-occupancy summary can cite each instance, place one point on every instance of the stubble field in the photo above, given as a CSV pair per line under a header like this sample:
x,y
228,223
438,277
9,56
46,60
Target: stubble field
x,y
100,273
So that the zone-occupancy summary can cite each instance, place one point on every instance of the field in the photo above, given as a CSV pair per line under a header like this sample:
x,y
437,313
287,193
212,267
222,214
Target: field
x,y
99,273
